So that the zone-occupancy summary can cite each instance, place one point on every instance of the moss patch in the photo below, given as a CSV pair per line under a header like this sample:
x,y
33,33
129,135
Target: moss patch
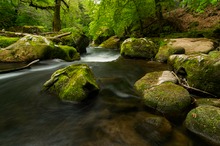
x,y
73,83
167,98
205,122
6,41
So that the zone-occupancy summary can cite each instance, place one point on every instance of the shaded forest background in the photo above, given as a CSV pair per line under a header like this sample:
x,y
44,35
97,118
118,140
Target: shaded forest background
x,y
101,19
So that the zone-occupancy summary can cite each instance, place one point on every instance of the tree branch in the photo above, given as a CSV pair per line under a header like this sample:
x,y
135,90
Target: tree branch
x,y
191,88
65,3
38,6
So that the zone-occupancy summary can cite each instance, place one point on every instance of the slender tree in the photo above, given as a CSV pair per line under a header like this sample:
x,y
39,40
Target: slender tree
x,y
49,5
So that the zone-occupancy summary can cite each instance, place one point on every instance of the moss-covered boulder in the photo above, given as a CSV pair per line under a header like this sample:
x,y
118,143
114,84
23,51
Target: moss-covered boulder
x,y
154,79
204,121
202,71
165,52
73,83
138,48
162,94
32,47
77,39
111,43
192,45
6,41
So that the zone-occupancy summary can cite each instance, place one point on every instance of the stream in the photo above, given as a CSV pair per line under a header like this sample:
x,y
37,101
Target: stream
x,y
31,117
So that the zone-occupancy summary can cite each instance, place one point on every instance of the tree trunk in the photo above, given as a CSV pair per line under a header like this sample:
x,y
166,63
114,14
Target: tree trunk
x,y
158,11
56,18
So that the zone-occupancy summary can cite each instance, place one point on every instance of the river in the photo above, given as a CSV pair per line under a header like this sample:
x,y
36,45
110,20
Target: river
x,y
31,117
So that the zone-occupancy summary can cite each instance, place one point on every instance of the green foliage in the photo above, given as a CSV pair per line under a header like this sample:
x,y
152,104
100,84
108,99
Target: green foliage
x,y
121,17
7,13
33,17
199,5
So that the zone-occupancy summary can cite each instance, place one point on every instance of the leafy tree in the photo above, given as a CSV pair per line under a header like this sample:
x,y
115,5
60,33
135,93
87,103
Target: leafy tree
x,y
8,13
123,16
54,5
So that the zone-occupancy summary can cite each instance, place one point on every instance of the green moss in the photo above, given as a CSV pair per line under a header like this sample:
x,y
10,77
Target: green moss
x,y
138,48
168,98
111,43
66,53
73,83
6,41
201,71
147,82
204,121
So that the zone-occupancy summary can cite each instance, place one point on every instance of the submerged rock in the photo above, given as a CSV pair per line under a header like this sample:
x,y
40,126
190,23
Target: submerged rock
x,y
32,47
204,121
154,129
73,83
201,71
138,48
159,91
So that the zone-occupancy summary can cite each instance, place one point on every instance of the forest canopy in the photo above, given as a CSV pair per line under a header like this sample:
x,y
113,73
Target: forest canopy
x,y
95,18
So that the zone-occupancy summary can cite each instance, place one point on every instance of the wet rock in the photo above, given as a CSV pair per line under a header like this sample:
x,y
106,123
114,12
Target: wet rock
x,y
73,83
154,129
32,47
111,43
162,94
76,40
201,71
204,121
138,48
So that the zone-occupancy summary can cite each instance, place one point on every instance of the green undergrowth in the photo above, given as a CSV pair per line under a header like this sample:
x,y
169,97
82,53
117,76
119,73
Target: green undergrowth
x,y
6,41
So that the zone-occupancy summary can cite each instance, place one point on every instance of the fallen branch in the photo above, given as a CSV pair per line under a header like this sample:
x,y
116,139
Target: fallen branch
x,y
58,36
20,68
12,34
192,89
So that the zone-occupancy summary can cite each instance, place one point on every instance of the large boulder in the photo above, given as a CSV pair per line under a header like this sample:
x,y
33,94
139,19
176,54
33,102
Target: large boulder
x,y
201,71
159,91
111,43
138,48
73,83
184,46
204,121
32,47
192,45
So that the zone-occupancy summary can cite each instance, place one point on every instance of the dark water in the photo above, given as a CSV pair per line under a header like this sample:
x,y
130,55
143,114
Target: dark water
x,y
30,117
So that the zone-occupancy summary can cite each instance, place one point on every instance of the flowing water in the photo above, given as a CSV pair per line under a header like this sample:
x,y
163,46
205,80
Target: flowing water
x,y
31,117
